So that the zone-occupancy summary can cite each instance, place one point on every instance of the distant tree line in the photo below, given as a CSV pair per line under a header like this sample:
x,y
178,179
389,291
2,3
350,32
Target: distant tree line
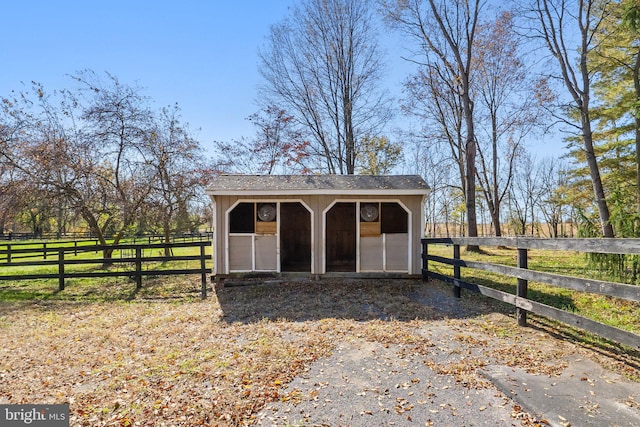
x,y
96,157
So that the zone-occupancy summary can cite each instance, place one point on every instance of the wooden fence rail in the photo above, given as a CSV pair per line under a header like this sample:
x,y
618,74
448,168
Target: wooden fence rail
x,y
524,275
14,237
10,250
134,254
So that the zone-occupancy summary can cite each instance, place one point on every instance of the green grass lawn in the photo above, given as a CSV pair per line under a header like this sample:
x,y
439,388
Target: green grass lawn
x,y
95,288
616,312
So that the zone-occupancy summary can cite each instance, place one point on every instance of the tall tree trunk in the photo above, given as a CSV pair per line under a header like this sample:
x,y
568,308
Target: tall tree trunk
x,y
470,164
495,205
95,228
636,85
594,171
495,219
587,139
108,253
167,234
495,211
349,138
587,19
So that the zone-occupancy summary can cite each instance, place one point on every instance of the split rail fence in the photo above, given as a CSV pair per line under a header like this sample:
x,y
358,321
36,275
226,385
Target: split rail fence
x,y
524,275
133,256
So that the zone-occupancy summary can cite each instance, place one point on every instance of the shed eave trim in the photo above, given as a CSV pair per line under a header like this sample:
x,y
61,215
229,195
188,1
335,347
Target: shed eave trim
x,y
389,192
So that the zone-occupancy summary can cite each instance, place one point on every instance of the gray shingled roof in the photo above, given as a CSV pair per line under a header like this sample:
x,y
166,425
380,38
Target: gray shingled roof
x,y
317,184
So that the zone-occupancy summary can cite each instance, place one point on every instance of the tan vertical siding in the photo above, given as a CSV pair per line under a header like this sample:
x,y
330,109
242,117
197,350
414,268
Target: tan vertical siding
x,y
370,258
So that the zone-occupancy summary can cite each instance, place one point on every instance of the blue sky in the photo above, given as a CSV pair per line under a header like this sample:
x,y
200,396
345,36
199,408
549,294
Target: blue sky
x,y
200,54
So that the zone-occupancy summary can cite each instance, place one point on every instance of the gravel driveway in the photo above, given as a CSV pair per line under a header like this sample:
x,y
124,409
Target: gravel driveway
x,y
466,369
369,384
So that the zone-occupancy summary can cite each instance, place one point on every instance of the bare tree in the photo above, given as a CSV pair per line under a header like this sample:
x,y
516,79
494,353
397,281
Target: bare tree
x,y
117,119
442,117
47,154
438,170
323,65
278,146
180,174
8,187
557,22
84,147
524,196
445,31
552,203
11,202
507,109
100,152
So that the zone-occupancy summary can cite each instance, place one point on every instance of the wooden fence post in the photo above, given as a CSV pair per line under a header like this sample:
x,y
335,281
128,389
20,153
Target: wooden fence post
x,y
521,291
456,272
138,267
61,269
203,267
44,250
9,254
425,262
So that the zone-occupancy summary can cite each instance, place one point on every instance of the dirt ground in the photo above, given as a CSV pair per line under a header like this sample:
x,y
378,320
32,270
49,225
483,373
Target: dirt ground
x,y
339,352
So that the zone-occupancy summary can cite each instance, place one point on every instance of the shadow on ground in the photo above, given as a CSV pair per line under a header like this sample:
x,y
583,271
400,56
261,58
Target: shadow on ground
x,y
361,299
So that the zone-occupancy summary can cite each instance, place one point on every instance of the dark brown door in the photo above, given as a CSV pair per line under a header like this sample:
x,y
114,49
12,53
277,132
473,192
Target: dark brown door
x,y
295,237
341,237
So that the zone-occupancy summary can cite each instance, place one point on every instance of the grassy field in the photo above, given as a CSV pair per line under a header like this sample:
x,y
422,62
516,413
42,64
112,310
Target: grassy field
x,y
82,288
612,311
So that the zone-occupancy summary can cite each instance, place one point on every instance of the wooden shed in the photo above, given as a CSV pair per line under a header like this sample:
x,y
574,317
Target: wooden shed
x,y
318,224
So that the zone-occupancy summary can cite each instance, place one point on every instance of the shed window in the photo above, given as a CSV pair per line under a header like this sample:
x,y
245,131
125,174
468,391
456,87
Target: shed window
x,y
393,218
241,218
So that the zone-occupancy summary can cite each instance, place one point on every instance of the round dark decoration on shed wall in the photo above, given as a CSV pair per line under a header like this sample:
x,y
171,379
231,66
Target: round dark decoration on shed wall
x,y
267,212
369,212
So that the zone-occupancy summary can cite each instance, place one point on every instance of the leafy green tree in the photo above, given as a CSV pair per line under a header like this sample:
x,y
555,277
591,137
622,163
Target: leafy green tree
x,y
378,155
617,91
